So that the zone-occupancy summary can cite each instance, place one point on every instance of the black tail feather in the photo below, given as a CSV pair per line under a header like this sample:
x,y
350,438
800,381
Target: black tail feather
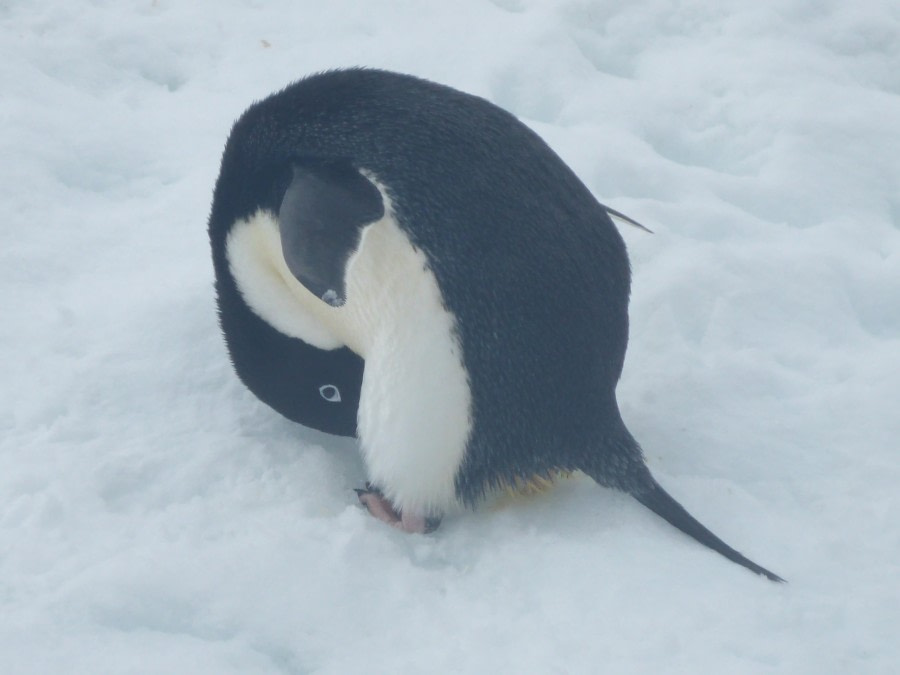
x,y
618,215
664,505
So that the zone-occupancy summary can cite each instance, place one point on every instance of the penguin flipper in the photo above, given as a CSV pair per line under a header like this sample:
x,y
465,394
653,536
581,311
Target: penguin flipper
x,y
320,219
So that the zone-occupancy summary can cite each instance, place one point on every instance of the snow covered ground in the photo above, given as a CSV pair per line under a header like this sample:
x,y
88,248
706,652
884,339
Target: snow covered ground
x,y
156,518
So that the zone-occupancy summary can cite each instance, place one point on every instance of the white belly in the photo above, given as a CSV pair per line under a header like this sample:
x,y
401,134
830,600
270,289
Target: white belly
x,y
415,405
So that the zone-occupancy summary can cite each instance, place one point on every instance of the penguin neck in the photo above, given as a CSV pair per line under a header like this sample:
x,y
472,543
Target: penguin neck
x,y
256,262
382,277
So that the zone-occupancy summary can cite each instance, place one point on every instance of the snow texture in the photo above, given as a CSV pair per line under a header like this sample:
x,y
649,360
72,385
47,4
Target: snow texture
x,y
156,518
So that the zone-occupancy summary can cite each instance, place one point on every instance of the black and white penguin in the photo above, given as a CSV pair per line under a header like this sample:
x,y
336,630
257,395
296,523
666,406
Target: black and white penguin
x,y
435,236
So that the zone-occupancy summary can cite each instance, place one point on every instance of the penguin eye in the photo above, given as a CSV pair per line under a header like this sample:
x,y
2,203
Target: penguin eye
x,y
330,393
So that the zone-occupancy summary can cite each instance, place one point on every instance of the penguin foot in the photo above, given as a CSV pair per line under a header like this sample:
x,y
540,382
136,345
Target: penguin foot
x,y
380,507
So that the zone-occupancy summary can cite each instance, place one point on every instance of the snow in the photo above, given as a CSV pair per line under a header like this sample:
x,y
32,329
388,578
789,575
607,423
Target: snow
x,y
156,518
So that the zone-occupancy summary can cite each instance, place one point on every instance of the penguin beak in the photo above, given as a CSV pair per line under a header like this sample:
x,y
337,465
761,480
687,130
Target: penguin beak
x,y
331,294
332,298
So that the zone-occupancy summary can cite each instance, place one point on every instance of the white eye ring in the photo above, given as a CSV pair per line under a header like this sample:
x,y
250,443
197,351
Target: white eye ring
x,y
330,393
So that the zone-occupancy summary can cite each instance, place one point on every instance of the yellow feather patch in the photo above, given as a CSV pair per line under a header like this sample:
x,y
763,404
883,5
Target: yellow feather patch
x,y
528,488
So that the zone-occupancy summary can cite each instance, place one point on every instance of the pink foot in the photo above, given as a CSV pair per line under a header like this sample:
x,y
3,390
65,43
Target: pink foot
x,y
380,507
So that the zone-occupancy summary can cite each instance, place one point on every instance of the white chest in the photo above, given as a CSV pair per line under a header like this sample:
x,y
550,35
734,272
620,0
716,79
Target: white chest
x,y
414,417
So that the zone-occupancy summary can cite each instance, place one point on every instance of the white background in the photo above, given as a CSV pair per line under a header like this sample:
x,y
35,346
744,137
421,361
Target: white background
x,y
156,518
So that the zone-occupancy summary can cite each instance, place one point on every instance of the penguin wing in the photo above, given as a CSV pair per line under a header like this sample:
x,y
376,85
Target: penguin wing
x,y
320,219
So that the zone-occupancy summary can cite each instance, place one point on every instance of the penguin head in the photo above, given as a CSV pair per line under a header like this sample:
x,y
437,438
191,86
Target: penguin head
x,y
284,358
314,387
318,388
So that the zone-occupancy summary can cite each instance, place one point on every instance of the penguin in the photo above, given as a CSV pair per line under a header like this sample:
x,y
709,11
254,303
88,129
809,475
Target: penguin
x,y
377,225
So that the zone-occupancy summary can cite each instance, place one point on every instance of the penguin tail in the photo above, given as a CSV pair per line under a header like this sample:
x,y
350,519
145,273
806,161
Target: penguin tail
x,y
622,218
664,505
622,467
